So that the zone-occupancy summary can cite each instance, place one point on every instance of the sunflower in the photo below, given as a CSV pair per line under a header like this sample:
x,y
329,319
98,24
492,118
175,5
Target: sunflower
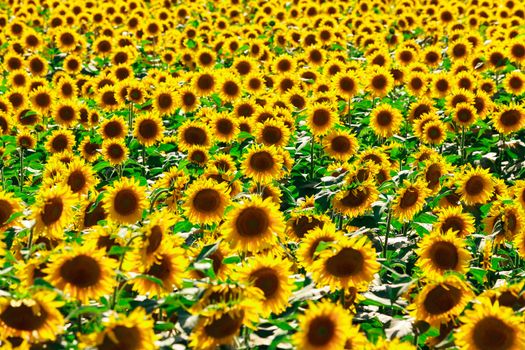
x,y
80,177
115,151
346,84
67,88
65,113
324,326
504,221
168,268
224,126
475,186
321,118
53,210
464,114
441,252
454,219
148,129
206,201
223,310
221,270
198,155
349,262
417,83
82,272
192,133
164,100
380,81
253,225
66,40
187,99
340,144
125,201
230,88
490,326
107,98
271,275
509,118
263,164
302,222
72,64
385,121
440,84
25,139
410,200
441,301
134,331
272,132
113,128
90,150
35,319
9,205
356,200
41,99
434,170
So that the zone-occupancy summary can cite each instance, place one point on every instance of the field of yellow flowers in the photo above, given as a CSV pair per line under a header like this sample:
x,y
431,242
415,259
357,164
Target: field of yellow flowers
x,y
249,174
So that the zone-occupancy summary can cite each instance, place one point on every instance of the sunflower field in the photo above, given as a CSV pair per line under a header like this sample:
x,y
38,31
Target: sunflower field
x,y
253,174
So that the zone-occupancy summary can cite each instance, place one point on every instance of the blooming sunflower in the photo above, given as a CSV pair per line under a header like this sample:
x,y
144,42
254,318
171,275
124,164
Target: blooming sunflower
x,y
263,164
475,186
271,275
455,219
148,129
272,132
306,252
410,200
168,268
115,151
440,252
221,322
82,272
490,326
53,210
340,145
323,327
356,200
113,128
348,263
192,133
441,301
125,201
509,118
35,319
80,177
206,201
321,118
504,221
134,331
253,225
164,100
385,121
9,205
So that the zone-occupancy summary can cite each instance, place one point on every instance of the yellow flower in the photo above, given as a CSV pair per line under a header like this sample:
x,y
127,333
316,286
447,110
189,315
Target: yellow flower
x,y
125,201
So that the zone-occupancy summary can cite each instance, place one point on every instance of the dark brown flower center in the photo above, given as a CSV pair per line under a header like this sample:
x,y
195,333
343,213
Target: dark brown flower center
x,y
52,211
444,255
207,200
272,134
126,202
148,129
409,198
262,161
23,317
154,239
475,185
76,180
510,117
266,280
252,222
82,271
321,331
195,136
128,338
442,299
224,326
491,333
347,262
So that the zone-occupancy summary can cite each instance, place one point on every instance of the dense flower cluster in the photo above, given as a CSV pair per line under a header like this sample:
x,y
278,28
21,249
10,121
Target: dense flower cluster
x,y
250,174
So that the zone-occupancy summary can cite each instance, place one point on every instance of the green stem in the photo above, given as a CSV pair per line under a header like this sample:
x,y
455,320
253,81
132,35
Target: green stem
x,y
21,170
30,244
130,118
387,233
143,160
312,158
463,145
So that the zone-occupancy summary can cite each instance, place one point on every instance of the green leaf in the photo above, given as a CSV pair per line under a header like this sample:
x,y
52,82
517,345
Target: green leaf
x,y
234,259
207,250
